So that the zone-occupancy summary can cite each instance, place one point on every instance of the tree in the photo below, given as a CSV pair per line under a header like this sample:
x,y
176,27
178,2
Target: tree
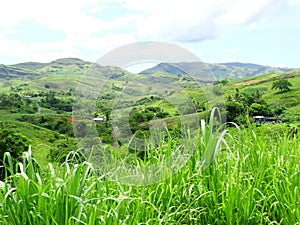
x,y
234,109
12,142
104,108
63,147
222,82
282,85
258,110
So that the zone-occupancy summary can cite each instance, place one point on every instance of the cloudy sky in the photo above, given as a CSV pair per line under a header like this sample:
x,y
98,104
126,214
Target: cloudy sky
x,y
257,31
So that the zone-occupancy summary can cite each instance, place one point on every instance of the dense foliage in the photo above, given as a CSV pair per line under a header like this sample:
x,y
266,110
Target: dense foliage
x,y
282,85
11,141
254,180
240,106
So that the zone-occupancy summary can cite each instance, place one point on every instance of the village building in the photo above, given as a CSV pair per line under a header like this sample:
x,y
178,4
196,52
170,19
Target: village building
x,y
98,119
263,119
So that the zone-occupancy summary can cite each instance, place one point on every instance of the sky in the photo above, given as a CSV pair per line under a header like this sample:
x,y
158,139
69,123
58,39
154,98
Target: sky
x,y
265,32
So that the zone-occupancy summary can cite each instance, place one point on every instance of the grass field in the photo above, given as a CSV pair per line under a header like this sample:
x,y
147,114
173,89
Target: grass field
x,y
253,180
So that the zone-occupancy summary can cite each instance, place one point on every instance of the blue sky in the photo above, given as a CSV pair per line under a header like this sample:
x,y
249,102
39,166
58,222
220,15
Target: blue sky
x,y
265,32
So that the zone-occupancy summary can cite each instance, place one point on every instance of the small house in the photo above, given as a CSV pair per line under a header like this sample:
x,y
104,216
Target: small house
x,y
98,120
260,119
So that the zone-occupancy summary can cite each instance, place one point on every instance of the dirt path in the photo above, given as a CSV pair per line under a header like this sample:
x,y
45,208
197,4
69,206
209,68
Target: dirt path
x,y
246,82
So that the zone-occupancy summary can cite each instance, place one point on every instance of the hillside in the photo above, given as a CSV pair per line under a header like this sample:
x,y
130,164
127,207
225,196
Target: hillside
x,y
55,63
42,94
199,70
14,72
253,169
64,74
263,83
207,71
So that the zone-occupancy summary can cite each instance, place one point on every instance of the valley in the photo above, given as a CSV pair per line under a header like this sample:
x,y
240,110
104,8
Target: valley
x,y
171,143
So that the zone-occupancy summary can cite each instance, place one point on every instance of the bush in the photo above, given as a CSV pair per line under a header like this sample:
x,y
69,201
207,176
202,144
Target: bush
x,y
12,142
62,149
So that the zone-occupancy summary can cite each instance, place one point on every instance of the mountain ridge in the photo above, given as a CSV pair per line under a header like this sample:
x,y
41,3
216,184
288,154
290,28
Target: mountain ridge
x,y
217,70
200,70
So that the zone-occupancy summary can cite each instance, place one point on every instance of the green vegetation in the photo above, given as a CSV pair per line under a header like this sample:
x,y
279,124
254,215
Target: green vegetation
x,y
254,180
282,85
289,100
244,174
11,141
240,106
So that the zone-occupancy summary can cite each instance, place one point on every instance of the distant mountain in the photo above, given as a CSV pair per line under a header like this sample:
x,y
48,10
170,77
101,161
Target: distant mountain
x,y
55,63
11,72
70,69
58,75
30,65
165,68
36,69
207,71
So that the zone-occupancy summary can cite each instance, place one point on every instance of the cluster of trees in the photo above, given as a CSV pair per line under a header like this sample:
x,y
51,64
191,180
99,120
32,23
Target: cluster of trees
x,y
62,148
240,105
11,141
105,132
52,100
138,122
14,142
139,118
29,102
16,103
54,123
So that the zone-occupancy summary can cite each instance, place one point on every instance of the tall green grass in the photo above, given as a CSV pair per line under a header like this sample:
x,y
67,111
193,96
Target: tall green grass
x,y
254,179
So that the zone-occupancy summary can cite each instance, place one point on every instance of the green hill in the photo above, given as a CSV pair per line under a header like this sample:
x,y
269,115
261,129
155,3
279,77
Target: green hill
x,y
13,72
207,71
46,90
263,83
248,175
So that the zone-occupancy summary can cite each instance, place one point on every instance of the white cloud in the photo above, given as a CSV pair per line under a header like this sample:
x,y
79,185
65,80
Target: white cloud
x,y
194,20
42,53
243,12
93,47
17,49
103,43
82,30
85,29
178,20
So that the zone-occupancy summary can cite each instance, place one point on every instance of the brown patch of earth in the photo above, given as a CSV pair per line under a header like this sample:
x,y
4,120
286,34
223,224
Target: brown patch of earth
x,y
246,82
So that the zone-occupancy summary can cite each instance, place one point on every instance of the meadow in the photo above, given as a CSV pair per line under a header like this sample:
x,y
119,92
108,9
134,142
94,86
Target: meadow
x,y
254,179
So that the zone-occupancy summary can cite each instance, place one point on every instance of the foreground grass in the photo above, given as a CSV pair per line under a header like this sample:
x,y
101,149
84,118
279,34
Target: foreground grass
x,y
253,180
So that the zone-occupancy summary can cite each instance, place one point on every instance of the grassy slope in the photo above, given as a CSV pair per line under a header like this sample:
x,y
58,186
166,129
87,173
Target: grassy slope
x,y
64,74
41,139
290,99
243,186
218,70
